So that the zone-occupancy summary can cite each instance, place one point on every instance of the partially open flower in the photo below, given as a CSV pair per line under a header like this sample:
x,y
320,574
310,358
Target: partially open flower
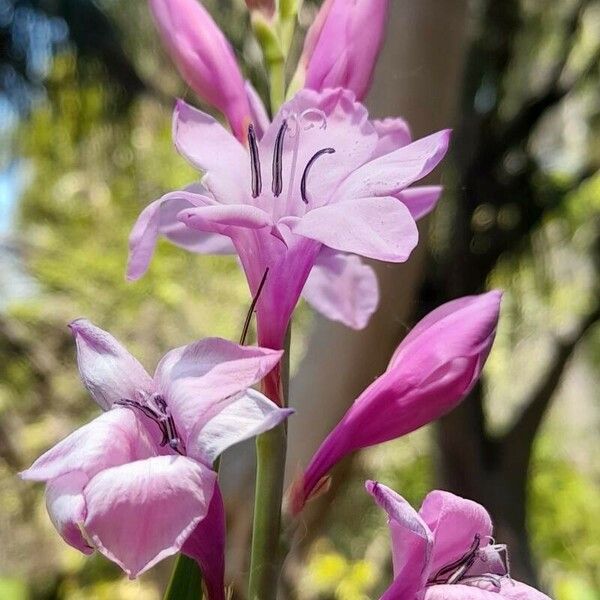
x,y
446,551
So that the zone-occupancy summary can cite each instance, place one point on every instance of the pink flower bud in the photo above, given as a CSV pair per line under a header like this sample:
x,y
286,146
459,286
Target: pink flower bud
x,y
204,58
267,7
342,45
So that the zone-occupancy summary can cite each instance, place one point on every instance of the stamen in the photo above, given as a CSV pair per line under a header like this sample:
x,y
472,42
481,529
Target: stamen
x,y
277,185
453,572
252,307
311,162
254,162
155,408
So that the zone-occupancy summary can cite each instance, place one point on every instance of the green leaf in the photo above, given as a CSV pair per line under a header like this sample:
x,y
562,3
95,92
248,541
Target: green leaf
x,y
186,581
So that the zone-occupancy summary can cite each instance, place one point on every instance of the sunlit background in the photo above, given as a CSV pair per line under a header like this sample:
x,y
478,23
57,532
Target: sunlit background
x,y
85,101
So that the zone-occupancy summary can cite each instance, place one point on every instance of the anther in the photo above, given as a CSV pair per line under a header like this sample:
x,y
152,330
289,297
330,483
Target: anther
x,y
311,162
277,185
254,162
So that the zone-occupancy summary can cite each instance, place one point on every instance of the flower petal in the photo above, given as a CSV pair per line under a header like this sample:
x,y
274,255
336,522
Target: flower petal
x,y
67,510
206,144
160,218
393,172
222,218
379,228
141,512
454,522
393,133
461,592
206,545
115,437
107,369
198,380
248,415
420,200
343,288
411,543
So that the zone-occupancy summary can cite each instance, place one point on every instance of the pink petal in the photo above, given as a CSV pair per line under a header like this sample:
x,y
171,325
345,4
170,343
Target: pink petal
x,y
420,200
461,592
115,437
211,149
160,218
514,590
206,545
258,112
107,369
199,380
67,510
393,133
379,228
222,218
245,417
204,57
343,288
141,512
454,522
392,173
411,543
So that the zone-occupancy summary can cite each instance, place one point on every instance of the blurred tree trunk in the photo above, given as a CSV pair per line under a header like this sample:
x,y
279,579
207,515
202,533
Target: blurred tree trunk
x,y
494,469
418,81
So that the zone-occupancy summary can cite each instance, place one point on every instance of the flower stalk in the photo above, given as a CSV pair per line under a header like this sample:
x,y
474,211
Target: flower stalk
x,y
271,449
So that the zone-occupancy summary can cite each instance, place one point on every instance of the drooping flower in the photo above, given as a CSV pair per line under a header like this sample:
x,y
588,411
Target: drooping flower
x,y
204,58
432,370
136,483
446,550
342,45
322,183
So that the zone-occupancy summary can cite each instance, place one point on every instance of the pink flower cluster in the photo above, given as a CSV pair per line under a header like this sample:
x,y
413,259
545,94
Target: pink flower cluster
x,y
299,198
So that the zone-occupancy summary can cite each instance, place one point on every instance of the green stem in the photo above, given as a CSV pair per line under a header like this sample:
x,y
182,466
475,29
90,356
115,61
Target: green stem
x,y
271,446
277,84
186,580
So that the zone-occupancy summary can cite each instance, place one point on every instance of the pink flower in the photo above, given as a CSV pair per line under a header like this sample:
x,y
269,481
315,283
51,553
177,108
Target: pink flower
x,y
204,58
136,483
433,369
323,183
446,551
342,45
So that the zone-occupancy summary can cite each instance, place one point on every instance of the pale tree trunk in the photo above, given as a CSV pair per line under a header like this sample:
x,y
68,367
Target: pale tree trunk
x,y
419,77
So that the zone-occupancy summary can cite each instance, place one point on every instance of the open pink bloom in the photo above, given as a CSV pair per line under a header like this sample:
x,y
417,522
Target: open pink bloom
x,y
137,483
342,45
446,551
204,58
322,183
432,370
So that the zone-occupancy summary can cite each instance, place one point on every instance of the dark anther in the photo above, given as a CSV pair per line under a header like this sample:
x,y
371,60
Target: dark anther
x,y
456,570
252,307
278,160
254,162
311,162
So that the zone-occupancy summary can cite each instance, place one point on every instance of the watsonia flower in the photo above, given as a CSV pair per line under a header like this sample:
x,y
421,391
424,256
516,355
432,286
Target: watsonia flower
x,y
136,483
323,182
446,550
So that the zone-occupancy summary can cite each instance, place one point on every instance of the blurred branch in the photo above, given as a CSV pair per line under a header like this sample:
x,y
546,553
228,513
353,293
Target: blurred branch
x,y
526,427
